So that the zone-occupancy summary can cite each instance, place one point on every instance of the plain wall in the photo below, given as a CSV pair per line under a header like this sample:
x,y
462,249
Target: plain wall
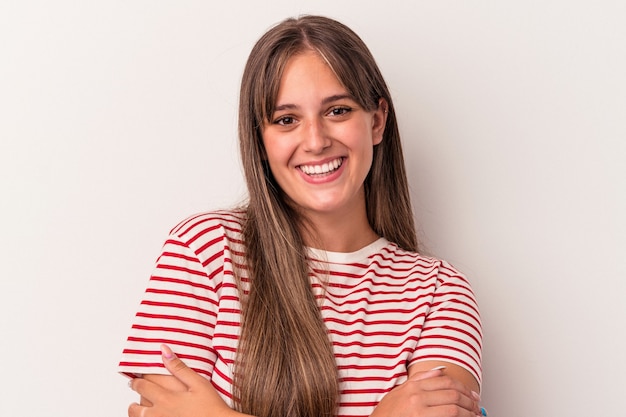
x,y
118,119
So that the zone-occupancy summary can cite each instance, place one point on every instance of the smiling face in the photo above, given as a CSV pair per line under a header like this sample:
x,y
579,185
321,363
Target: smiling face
x,y
319,141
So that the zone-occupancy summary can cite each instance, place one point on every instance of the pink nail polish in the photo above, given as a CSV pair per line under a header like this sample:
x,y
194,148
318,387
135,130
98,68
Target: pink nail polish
x,y
167,352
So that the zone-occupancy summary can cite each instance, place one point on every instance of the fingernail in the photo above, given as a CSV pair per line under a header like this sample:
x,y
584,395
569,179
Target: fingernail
x,y
483,412
167,352
476,395
438,368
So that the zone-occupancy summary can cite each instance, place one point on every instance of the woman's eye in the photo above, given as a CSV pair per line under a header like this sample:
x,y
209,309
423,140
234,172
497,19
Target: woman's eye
x,y
339,111
284,121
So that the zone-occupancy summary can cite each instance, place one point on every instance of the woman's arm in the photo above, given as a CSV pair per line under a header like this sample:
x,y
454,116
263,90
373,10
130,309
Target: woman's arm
x,y
168,382
432,392
453,390
184,393
451,370
428,392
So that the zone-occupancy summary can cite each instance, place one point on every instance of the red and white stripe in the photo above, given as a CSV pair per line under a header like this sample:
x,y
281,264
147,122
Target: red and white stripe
x,y
385,309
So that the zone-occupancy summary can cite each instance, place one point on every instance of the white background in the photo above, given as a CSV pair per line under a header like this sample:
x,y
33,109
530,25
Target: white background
x,y
118,119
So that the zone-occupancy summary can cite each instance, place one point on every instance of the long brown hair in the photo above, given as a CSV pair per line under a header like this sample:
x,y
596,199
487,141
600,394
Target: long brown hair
x,y
285,363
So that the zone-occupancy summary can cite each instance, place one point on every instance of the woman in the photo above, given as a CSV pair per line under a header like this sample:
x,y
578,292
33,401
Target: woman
x,y
312,299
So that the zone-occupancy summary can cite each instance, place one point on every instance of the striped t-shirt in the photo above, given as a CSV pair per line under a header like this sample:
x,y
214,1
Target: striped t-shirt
x,y
385,309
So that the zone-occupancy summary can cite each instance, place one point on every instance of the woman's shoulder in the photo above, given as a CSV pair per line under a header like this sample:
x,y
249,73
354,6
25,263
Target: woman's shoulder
x,y
225,223
393,254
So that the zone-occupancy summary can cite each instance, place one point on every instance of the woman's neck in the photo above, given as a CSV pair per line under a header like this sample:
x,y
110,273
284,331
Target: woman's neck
x,y
338,233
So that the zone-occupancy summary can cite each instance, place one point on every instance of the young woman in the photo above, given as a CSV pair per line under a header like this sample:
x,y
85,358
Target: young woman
x,y
312,300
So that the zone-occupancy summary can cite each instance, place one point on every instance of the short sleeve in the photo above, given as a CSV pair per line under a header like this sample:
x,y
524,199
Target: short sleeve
x,y
452,330
179,308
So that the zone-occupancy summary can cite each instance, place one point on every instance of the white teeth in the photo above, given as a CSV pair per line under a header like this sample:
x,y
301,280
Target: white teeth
x,y
321,169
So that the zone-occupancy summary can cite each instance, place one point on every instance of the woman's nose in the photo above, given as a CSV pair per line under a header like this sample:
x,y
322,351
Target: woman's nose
x,y
316,137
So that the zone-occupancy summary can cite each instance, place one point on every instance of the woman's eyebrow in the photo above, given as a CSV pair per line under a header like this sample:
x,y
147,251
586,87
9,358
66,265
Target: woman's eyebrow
x,y
285,107
329,99
337,97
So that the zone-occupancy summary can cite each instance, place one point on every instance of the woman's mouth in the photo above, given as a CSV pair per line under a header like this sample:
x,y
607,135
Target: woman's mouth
x,y
322,169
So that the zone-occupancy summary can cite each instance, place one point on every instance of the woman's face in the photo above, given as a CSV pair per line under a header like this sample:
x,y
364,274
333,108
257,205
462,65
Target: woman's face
x,y
319,141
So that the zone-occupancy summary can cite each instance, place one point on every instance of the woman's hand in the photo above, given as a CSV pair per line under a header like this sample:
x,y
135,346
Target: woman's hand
x,y
195,397
429,394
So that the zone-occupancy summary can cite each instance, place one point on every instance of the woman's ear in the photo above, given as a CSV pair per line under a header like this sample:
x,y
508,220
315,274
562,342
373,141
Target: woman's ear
x,y
380,121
